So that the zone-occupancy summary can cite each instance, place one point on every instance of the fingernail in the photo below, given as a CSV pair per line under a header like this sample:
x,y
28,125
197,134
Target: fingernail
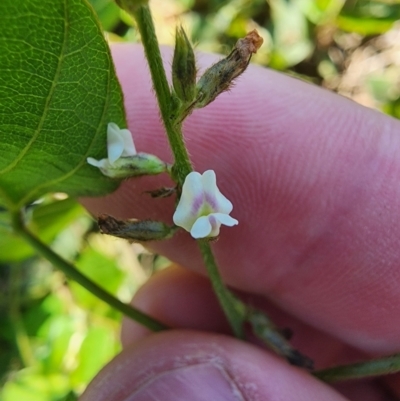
x,y
195,383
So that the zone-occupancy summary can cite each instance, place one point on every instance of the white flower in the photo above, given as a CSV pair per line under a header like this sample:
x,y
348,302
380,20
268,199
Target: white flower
x,y
119,144
202,208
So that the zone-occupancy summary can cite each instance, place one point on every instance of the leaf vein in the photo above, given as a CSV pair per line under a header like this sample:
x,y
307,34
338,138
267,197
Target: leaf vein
x,y
71,172
49,97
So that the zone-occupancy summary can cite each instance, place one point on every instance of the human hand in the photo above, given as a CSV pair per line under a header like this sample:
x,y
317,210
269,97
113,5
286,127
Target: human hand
x,y
314,182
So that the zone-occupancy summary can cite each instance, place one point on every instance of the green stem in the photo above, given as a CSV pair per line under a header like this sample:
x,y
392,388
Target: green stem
x,y
69,270
21,337
273,338
234,309
375,367
146,28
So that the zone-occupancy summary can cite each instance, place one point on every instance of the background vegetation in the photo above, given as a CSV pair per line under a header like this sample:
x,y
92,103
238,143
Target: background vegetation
x,y
55,336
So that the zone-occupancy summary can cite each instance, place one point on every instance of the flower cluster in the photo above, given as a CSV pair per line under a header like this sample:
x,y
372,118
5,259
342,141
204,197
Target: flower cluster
x,y
202,208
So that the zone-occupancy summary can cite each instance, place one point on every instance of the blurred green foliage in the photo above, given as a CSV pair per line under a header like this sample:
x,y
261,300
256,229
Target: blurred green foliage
x,y
54,336
346,46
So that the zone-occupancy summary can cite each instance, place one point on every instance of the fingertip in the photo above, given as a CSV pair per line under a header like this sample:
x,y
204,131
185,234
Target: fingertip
x,y
187,365
313,178
180,299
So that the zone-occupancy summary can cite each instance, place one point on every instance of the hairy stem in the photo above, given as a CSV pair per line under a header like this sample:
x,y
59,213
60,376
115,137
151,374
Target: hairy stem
x,y
69,270
234,309
375,367
145,25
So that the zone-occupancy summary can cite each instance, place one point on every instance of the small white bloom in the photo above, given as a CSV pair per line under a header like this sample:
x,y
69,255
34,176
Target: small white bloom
x,y
119,144
202,207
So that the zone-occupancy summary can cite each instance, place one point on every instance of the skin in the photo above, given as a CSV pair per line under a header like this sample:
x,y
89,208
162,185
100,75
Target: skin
x,y
314,179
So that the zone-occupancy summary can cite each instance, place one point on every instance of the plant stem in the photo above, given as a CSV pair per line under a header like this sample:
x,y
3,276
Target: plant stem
x,y
146,28
375,367
21,337
234,309
69,270
275,339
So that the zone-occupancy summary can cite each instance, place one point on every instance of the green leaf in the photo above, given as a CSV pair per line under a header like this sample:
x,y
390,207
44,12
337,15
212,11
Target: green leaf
x,y
392,108
58,92
364,26
108,13
290,34
46,222
57,334
98,347
30,385
104,272
368,17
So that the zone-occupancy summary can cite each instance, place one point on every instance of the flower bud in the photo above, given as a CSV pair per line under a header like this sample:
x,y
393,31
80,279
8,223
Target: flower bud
x,y
135,230
132,166
218,78
184,68
122,160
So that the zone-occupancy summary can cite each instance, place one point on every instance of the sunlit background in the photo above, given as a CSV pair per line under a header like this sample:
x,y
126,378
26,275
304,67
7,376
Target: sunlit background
x,y
54,335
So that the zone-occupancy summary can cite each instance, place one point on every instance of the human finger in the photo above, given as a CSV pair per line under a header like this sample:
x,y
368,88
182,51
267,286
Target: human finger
x,y
313,178
188,365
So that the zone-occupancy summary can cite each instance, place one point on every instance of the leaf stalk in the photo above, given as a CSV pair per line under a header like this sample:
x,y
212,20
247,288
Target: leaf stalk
x,y
375,367
234,309
70,271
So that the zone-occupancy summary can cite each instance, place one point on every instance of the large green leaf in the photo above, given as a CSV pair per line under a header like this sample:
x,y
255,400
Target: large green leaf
x,y
58,91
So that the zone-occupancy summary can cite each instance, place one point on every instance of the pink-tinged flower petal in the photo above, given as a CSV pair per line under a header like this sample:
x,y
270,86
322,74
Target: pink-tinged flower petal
x,y
225,219
213,195
98,163
201,228
216,219
119,143
192,190
191,200
129,146
183,217
115,144
202,208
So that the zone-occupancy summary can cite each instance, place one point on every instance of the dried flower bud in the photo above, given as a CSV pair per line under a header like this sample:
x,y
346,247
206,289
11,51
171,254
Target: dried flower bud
x,y
132,166
161,192
218,78
122,160
184,67
135,230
